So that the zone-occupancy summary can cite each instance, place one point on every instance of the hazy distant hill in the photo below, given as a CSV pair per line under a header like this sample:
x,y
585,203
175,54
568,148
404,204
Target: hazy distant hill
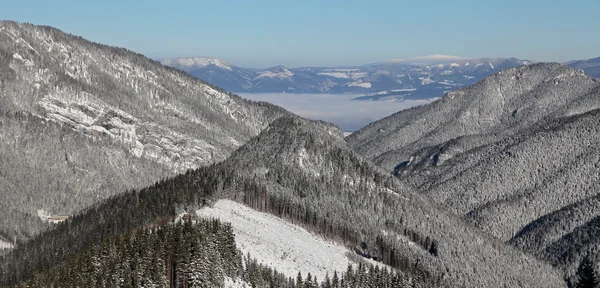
x,y
418,78
589,66
82,121
215,72
510,154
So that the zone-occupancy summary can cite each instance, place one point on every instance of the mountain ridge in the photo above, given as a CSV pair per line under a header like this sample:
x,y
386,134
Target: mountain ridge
x,y
295,170
376,81
507,154
139,121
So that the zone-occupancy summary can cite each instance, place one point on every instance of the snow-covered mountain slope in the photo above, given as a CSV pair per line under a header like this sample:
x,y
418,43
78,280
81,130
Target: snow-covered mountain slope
x,y
309,176
215,71
508,154
61,95
188,64
503,104
280,244
421,78
281,79
304,173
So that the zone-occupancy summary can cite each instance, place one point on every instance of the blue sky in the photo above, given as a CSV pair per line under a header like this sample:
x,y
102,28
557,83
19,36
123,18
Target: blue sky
x,y
327,33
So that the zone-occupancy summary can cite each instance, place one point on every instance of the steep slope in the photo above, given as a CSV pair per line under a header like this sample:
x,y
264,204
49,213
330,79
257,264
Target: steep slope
x,y
311,176
215,71
304,172
517,158
101,119
591,67
509,187
500,105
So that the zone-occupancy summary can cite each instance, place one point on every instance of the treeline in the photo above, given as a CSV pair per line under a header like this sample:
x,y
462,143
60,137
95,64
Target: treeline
x,y
186,254
351,214
127,212
179,254
376,247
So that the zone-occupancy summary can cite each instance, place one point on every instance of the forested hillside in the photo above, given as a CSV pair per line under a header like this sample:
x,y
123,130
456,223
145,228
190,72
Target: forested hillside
x,y
192,253
83,121
516,155
504,104
304,172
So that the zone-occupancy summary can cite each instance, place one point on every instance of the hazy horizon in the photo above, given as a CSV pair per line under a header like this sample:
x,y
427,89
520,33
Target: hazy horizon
x,y
331,33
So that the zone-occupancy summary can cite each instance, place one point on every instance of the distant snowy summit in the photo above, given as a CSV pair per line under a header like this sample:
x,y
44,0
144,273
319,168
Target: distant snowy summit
x,y
191,63
422,77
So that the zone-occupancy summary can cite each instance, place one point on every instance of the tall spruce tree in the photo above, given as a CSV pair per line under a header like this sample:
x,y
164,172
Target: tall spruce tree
x,y
587,274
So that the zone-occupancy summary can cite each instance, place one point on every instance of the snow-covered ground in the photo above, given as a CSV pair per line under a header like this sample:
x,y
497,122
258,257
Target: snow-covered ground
x,y
237,283
5,245
274,242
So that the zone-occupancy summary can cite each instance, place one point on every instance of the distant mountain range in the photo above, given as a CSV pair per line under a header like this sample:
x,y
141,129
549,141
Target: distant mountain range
x,y
418,78
411,79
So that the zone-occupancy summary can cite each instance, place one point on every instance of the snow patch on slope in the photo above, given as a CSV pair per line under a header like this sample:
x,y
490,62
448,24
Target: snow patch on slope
x,y
235,283
5,245
277,243
426,81
361,84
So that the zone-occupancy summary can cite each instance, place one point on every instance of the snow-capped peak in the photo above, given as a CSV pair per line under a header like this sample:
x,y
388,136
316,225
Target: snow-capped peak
x,y
195,62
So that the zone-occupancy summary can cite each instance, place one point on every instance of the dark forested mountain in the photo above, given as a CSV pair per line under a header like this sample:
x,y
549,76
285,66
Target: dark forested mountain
x,y
81,121
308,164
589,66
419,78
304,172
516,154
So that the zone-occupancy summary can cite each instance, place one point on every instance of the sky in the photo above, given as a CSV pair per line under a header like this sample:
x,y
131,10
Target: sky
x,y
261,34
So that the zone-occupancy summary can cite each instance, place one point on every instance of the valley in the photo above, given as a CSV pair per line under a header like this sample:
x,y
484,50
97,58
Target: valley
x,y
340,109
117,170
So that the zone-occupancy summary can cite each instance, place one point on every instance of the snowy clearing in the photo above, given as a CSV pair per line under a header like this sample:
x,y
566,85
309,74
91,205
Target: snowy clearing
x,y
273,241
5,245
361,84
237,283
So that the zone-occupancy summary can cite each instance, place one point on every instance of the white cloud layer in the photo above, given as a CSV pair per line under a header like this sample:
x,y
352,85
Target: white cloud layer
x,y
339,109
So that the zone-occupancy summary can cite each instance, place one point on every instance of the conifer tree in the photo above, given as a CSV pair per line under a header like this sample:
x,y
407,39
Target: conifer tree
x,y
327,282
335,281
587,275
299,282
